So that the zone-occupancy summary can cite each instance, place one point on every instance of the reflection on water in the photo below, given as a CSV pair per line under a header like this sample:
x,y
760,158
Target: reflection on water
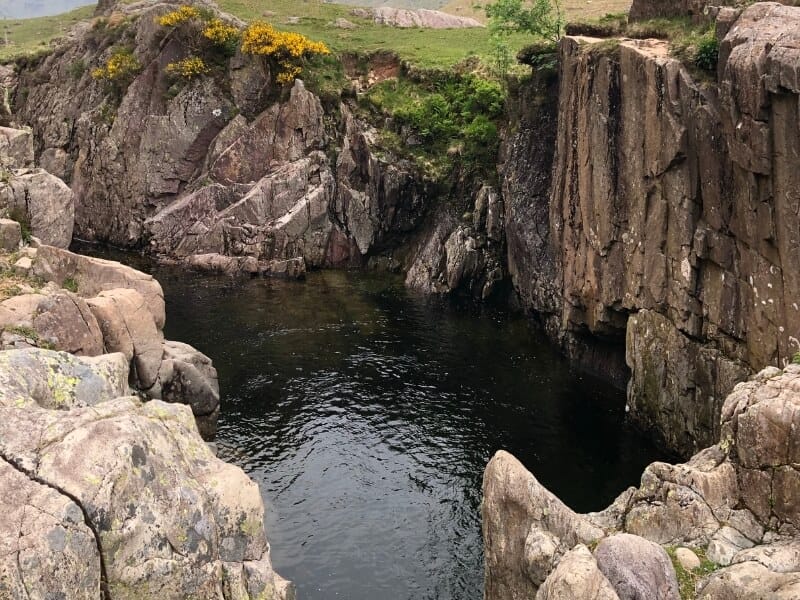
x,y
367,415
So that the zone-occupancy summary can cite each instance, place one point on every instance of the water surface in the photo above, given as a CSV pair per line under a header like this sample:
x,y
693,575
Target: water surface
x,y
367,415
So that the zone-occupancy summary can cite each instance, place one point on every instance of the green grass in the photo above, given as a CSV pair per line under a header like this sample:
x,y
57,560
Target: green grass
x,y
687,580
30,36
422,47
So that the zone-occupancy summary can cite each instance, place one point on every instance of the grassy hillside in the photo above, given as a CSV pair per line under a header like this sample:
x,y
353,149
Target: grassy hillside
x,y
423,47
28,36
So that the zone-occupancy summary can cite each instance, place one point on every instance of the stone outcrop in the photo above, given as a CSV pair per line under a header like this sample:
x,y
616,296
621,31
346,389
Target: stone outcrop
x,y
736,503
420,17
124,500
110,308
241,176
671,224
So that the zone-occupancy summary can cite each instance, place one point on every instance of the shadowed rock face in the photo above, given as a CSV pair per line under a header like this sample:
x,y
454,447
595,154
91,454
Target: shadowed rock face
x,y
672,219
737,500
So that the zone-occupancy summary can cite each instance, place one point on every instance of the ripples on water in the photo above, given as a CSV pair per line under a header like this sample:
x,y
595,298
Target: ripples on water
x,y
367,415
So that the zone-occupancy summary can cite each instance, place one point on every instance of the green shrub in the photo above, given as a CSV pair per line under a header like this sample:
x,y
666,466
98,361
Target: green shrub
x,y
707,54
70,284
796,359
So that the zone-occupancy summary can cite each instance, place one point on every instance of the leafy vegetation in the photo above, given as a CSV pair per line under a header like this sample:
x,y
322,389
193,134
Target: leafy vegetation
x,y
119,71
687,580
287,49
796,359
448,122
70,284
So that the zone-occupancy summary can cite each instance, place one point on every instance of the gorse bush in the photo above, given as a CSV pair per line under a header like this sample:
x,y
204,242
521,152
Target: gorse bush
x,y
286,49
183,14
119,71
207,35
188,68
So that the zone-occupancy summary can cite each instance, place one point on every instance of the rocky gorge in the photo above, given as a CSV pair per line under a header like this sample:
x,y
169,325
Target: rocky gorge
x,y
646,216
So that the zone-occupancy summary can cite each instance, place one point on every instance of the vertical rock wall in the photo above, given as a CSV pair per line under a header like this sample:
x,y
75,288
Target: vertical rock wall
x,y
673,217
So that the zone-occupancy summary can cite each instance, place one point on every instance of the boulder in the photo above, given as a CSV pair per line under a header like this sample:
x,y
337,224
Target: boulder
x,y
10,235
576,577
187,376
422,17
95,275
16,148
46,548
129,327
514,504
47,203
57,318
57,380
637,568
169,519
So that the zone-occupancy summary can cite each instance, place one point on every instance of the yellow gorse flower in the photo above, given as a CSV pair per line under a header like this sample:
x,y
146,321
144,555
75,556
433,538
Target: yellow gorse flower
x,y
220,33
188,68
176,17
263,39
121,65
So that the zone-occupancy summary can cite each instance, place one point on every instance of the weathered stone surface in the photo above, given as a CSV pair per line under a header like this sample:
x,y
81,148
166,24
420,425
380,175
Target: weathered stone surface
x,y
422,17
700,504
129,327
57,318
187,376
46,549
47,203
637,568
16,148
10,235
95,275
577,576
514,504
687,559
58,380
750,580
152,494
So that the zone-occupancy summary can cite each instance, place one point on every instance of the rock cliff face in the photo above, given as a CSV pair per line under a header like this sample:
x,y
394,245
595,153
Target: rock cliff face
x,y
735,503
229,172
672,219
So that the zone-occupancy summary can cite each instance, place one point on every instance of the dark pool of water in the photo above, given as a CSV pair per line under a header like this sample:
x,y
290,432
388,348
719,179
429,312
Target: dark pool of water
x,y
367,414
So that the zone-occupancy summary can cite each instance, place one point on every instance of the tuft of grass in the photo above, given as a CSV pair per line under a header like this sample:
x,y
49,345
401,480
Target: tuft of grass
x,y
70,284
687,580
796,359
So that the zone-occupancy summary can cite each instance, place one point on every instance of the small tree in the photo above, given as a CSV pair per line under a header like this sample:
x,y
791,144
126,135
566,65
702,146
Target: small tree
x,y
541,18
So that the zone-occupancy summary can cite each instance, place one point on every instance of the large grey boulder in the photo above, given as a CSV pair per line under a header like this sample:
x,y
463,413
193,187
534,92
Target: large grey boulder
x,y
169,519
47,203
57,380
56,318
637,568
16,148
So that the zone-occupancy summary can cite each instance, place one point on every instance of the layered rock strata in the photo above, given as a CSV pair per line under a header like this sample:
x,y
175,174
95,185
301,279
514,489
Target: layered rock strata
x,y
735,504
671,225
